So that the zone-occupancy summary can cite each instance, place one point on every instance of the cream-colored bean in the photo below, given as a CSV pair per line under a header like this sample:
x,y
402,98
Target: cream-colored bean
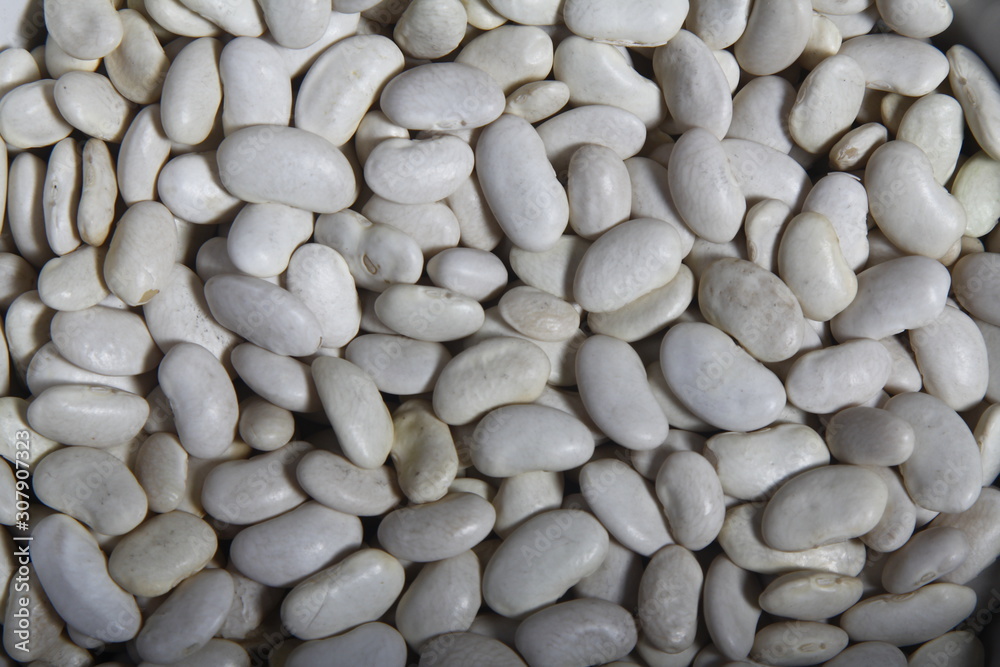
x,y
553,270
811,262
161,468
523,496
831,379
706,370
776,34
612,384
154,558
827,103
911,618
188,619
962,380
430,29
437,530
256,86
377,254
286,165
356,410
283,551
296,25
894,208
986,434
842,199
898,64
979,524
811,643
669,594
899,294
423,452
620,130
456,648
368,645
599,74
105,340
869,436
592,630
731,609
808,595
61,196
766,173
138,66
428,313
73,571
334,97
694,84
537,100
243,304
513,55
263,237
93,487
26,329
25,183
823,506
180,313
504,441
535,220
87,415
541,560
90,103
856,147
141,257
977,90
202,399
49,369
935,124
492,373
96,212
173,16
927,556
243,492
339,484
16,67
691,494
974,185
753,306
649,313
143,152
90,29
190,186
473,272
397,364
763,226
265,426
429,97
627,24
944,473
433,225
444,597
741,540
599,191
760,112
192,92
418,171
628,261
698,165
626,505
824,42
719,23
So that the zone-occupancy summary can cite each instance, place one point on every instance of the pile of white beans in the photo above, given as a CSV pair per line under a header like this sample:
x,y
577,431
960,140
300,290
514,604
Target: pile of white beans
x,y
493,333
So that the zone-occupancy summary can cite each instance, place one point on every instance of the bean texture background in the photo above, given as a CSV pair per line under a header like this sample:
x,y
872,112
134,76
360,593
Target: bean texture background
x,y
498,333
